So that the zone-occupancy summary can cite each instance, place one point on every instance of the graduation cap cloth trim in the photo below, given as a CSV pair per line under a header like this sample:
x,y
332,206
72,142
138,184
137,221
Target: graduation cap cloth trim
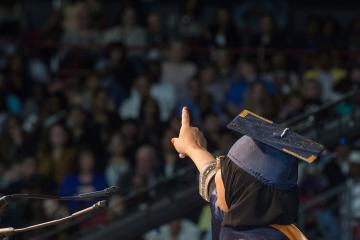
x,y
276,136
268,165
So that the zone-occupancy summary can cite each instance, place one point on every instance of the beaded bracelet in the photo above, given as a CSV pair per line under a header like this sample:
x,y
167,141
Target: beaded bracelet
x,y
206,175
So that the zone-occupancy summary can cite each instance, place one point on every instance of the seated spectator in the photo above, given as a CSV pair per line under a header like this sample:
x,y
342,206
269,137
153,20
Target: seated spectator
x,y
212,127
268,36
128,32
146,167
310,38
293,106
187,23
176,70
150,124
192,100
156,34
259,101
80,128
118,72
129,132
244,76
213,85
76,24
55,157
223,32
223,61
331,35
311,93
130,108
14,142
84,179
118,168
87,94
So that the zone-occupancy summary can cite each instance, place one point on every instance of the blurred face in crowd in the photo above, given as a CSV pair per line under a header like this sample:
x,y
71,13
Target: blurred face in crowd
x,y
355,75
279,60
207,75
117,145
222,58
311,89
154,22
295,102
116,54
177,52
86,161
129,17
267,24
58,136
129,132
92,82
145,160
313,27
151,109
223,16
82,17
101,100
142,85
190,7
258,91
355,170
16,63
246,69
14,128
76,118
211,123
28,167
342,151
194,88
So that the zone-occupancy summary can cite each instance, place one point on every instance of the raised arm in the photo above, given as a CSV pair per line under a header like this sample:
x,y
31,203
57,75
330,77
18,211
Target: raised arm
x,y
191,142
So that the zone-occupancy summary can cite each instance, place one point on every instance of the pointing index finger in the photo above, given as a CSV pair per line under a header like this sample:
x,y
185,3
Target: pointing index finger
x,y
185,118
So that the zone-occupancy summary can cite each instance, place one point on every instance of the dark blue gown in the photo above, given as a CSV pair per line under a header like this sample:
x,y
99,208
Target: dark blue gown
x,y
226,233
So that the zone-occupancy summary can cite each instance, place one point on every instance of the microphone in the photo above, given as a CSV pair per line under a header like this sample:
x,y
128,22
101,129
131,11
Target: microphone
x,y
107,192
5,232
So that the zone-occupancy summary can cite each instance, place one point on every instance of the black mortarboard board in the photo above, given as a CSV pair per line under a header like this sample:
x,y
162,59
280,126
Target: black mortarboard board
x,y
276,136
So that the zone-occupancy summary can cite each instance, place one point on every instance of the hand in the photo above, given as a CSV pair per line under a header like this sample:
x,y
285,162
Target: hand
x,y
190,138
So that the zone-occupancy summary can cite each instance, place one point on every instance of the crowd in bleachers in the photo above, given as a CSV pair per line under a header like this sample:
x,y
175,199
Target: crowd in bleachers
x,y
89,100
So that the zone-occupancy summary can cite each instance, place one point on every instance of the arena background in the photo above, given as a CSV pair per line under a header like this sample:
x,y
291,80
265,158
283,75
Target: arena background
x,y
90,93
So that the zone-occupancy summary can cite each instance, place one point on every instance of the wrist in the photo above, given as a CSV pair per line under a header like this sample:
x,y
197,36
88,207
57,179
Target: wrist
x,y
200,156
193,150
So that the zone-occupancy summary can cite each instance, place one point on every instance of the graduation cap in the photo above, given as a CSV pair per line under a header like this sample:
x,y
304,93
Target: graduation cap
x,y
269,151
276,136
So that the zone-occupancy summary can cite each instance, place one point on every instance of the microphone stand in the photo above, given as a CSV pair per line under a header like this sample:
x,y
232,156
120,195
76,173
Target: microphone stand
x,y
5,232
107,192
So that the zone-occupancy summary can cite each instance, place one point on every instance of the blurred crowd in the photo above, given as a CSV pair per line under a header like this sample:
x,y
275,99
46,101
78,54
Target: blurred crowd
x,y
89,100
